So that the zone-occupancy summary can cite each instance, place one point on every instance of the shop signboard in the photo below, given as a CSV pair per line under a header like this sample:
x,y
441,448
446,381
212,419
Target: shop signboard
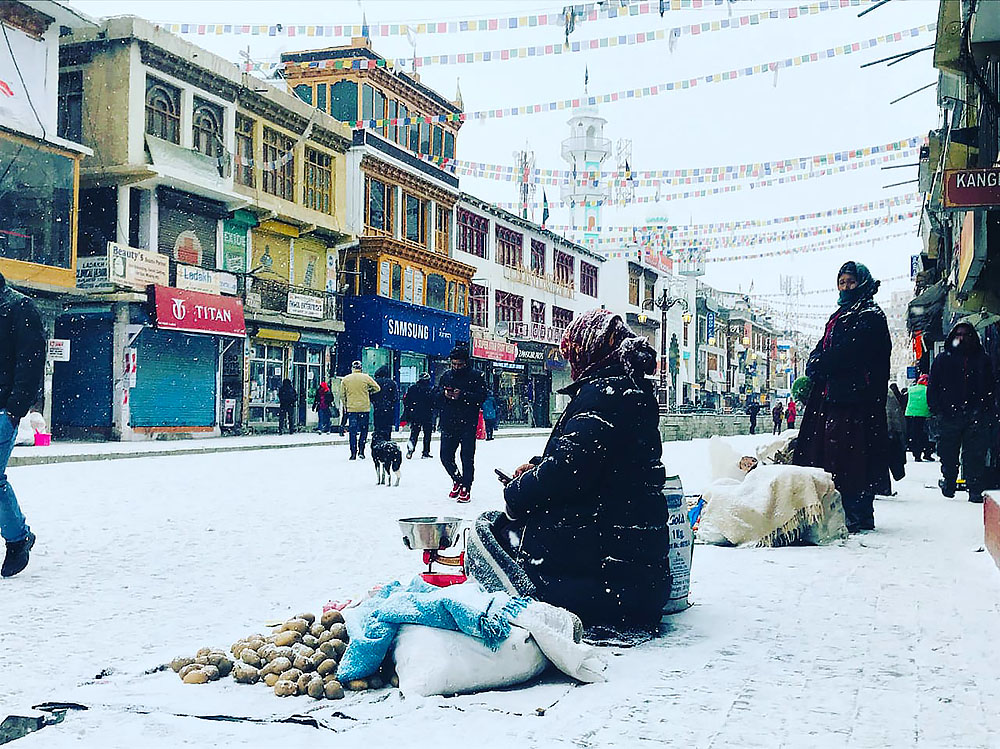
x,y
532,331
195,312
971,188
193,278
305,305
59,349
135,268
483,348
92,273
914,266
374,320
710,324
228,283
234,246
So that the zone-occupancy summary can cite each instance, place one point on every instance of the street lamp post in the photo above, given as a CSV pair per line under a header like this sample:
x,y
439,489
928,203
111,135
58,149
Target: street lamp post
x,y
664,303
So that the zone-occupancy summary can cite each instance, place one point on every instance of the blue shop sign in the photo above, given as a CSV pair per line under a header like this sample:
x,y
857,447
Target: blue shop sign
x,y
710,324
371,320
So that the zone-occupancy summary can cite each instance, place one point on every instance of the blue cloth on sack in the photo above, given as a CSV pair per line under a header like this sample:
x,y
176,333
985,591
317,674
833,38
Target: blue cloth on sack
x,y
466,608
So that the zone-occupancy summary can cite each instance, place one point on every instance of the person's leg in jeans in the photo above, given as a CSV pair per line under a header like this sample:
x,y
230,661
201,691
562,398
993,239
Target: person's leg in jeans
x,y
12,525
352,430
975,443
427,439
363,432
324,420
468,444
949,430
414,436
490,424
447,448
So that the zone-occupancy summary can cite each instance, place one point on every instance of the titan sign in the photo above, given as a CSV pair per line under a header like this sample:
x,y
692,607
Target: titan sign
x,y
195,312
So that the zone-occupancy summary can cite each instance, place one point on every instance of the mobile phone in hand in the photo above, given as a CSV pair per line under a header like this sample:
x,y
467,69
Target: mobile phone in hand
x,y
503,477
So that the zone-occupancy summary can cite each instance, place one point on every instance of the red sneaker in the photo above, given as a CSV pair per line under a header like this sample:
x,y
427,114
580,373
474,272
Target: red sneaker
x,y
455,489
463,495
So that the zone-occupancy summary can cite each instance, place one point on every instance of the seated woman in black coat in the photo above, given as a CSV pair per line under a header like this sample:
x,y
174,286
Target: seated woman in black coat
x,y
590,528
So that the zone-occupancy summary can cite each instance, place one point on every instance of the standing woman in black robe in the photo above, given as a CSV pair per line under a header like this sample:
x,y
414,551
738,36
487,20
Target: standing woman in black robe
x,y
844,426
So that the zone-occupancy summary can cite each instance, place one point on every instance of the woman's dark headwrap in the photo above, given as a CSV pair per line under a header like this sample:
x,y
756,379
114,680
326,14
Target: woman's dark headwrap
x,y
598,337
866,288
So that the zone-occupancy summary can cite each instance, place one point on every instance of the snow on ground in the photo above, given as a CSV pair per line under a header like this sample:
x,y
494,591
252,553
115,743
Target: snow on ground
x,y
887,640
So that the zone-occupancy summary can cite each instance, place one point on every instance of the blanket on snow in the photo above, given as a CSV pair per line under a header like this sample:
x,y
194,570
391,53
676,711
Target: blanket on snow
x,y
466,608
774,505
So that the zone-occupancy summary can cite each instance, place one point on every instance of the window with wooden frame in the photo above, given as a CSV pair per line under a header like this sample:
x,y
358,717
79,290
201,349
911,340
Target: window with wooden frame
x,y
537,257
70,116
564,268
319,181
449,144
244,151
403,131
438,144
649,286
478,305
397,281
510,307
510,246
415,219
380,206
163,110
634,275
442,230
588,279
537,312
279,164
391,115
461,299
206,128
452,290
561,318
471,231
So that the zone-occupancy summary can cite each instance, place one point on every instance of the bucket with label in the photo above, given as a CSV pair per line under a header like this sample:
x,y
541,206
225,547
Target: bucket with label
x,y
681,546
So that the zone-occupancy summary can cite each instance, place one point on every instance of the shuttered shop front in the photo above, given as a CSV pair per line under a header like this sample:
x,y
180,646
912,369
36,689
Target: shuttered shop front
x,y
175,380
188,226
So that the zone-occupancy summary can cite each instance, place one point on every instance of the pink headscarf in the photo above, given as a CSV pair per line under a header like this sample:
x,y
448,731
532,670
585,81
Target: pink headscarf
x,y
598,337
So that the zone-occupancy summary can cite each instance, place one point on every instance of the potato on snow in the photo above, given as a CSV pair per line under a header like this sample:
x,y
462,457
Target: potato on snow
x,y
245,674
203,651
325,637
339,630
180,662
283,652
316,688
310,618
357,685
317,629
328,648
291,674
295,625
270,679
196,676
333,689
328,666
188,669
300,648
303,682
331,617
286,637
277,666
310,641
303,663
284,688
339,646
250,657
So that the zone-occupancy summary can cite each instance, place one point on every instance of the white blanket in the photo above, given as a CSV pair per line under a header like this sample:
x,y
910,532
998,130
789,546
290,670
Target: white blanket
x,y
773,506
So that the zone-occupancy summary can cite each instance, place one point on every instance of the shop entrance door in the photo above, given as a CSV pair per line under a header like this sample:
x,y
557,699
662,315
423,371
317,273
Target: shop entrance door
x,y
232,386
541,387
306,370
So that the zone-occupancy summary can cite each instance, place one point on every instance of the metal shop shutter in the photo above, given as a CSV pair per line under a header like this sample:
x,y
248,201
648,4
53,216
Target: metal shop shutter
x,y
174,221
81,387
175,380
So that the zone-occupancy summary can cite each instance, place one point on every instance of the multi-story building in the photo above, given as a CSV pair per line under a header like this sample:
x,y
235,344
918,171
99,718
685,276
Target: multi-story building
x,y
407,297
529,285
40,160
210,276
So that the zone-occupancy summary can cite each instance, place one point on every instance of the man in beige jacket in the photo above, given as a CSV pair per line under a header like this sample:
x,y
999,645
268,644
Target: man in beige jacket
x,y
355,394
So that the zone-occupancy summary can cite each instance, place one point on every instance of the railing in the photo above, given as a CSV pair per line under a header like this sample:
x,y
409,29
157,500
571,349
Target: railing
x,y
531,331
572,146
273,296
545,282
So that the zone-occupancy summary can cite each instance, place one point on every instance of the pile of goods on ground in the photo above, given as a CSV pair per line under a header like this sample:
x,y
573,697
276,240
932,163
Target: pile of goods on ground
x,y
299,657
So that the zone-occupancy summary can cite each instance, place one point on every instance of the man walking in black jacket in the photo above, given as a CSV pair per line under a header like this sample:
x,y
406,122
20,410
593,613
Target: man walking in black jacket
x,y
22,364
417,407
461,392
287,400
960,397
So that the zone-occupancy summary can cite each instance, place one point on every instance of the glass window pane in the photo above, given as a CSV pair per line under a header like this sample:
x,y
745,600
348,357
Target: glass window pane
x,y
321,96
304,92
344,101
367,97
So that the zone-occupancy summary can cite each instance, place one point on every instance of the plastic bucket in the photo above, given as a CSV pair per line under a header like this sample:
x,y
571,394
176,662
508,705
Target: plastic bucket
x,y
42,440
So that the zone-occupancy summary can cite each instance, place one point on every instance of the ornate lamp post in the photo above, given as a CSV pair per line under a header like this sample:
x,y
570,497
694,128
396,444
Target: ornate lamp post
x,y
664,303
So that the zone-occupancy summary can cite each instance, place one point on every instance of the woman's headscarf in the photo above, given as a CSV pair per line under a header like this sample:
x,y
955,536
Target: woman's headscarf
x,y
599,337
867,285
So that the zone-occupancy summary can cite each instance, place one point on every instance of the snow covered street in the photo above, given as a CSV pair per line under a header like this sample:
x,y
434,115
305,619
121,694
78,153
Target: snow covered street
x,y
886,640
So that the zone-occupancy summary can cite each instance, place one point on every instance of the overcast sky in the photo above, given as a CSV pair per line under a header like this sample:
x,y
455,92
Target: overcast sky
x,y
821,107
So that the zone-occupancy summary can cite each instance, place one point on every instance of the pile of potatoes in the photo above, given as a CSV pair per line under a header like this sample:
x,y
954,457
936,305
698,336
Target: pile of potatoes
x,y
300,657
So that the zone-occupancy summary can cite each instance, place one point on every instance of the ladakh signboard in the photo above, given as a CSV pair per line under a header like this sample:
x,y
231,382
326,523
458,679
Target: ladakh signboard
x,y
971,188
92,273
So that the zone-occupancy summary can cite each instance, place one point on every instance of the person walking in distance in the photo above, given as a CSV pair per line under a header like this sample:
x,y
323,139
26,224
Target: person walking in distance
x,y
960,398
917,414
490,415
356,396
461,392
753,408
287,398
776,416
22,366
790,413
386,404
418,405
322,403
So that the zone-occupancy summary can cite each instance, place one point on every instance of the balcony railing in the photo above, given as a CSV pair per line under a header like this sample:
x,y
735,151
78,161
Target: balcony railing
x,y
545,282
596,149
277,297
531,331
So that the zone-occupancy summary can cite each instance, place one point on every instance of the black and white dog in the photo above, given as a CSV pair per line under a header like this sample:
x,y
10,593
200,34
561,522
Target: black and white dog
x,y
387,458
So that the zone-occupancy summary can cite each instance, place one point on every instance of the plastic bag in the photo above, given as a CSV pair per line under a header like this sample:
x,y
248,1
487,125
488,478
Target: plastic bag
x,y
31,423
723,460
432,661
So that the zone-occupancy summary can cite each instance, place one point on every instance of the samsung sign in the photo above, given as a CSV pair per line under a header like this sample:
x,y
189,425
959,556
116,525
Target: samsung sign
x,y
408,329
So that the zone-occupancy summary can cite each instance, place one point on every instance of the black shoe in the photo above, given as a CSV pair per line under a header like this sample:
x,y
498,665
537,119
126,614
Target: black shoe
x,y
353,457
976,499
17,555
947,488
409,451
361,455
929,458
917,459
428,455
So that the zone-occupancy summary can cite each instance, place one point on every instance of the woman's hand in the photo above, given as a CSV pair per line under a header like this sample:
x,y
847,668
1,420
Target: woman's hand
x,y
522,469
